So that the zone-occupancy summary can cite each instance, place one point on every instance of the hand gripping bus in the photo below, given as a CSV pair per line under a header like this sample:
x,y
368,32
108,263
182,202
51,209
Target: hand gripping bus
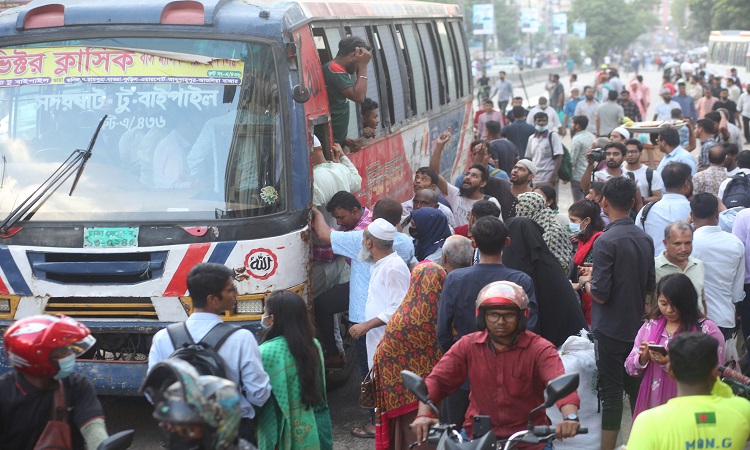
x,y
206,110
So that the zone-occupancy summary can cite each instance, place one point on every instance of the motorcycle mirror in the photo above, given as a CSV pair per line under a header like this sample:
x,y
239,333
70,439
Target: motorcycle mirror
x,y
118,441
560,387
415,384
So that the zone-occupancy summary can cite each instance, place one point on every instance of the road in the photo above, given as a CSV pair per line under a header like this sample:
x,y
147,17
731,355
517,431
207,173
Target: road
x,y
132,412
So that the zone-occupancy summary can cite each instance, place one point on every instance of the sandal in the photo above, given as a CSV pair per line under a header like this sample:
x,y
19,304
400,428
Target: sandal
x,y
361,432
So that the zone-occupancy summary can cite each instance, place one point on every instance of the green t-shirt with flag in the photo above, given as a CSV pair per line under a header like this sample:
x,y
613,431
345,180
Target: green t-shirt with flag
x,y
337,79
693,422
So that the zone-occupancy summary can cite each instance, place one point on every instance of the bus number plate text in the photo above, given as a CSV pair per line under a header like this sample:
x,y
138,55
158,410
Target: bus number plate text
x,y
101,237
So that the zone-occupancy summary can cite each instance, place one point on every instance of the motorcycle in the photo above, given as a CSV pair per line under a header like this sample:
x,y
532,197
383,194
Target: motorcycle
x,y
447,437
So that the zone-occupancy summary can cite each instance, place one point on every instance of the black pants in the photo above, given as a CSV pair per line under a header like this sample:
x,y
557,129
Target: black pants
x,y
727,332
746,128
249,430
613,380
744,307
501,105
326,305
454,407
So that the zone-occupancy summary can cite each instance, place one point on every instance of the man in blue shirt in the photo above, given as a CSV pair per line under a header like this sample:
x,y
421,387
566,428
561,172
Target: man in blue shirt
x,y
686,102
570,108
669,143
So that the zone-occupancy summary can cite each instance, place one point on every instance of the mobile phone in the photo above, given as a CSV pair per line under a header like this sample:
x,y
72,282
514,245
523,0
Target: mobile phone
x,y
482,426
660,349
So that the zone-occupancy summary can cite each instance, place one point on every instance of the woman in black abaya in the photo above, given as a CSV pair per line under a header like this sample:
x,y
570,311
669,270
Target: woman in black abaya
x,y
560,314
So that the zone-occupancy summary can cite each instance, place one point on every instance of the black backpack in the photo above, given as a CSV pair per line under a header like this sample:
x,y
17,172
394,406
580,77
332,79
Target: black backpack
x,y
204,355
737,192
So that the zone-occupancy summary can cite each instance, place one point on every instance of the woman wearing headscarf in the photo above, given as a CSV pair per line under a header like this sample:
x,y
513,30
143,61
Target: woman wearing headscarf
x,y
429,227
559,308
409,343
533,206
586,225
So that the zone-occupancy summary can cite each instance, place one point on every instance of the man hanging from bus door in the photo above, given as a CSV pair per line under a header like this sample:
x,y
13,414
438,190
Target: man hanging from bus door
x,y
351,59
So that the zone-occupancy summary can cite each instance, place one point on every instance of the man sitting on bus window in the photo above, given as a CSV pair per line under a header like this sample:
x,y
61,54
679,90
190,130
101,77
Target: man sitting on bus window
x,y
351,59
470,192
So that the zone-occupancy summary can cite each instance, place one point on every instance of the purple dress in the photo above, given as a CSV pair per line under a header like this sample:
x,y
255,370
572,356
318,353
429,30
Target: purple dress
x,y
657,388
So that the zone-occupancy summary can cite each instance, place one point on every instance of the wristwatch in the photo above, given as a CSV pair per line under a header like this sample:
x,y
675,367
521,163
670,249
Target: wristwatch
x,y
573,417
582,286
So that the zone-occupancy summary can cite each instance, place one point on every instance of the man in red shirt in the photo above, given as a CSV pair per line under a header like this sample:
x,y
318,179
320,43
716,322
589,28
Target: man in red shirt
x,y
508,367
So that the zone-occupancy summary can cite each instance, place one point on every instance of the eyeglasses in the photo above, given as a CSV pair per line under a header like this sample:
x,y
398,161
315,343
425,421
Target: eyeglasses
x,y
494,316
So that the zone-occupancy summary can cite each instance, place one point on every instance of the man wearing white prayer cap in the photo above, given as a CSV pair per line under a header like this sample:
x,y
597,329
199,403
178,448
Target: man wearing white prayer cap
x,y
389,281
619,134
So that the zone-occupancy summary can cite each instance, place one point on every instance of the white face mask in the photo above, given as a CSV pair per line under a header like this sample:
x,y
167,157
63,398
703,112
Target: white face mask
x,y
67,366
541,128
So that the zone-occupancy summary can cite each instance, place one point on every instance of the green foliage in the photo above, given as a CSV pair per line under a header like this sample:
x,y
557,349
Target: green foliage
x,y
507,18
730,15
613,24
577,45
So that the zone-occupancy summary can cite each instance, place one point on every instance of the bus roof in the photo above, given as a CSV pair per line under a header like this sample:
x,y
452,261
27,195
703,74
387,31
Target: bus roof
x,y
41,14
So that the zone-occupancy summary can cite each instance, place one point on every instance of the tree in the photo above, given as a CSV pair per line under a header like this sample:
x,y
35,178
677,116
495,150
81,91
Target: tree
x,y
507,17
613,24
730,15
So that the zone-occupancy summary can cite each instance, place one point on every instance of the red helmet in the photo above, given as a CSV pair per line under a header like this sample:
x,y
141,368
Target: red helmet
x,y
503,293
29,342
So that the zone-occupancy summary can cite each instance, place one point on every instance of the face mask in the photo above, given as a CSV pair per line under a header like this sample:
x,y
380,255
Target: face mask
x,y
575,228
263,325
541,128
67,367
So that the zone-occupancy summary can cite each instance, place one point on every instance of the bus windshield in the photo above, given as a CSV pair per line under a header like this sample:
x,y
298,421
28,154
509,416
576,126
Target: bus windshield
x,y
192,133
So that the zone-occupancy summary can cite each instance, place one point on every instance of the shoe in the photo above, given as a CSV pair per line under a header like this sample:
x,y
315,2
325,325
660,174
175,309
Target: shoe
x,y
335,362
363,432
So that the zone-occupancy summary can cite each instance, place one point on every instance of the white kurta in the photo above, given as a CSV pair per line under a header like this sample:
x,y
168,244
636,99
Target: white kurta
x,y
389,282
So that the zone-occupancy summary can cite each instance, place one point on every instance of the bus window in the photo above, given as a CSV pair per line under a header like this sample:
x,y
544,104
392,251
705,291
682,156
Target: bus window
x,y
397,102
450,66
460,74
434,68
460,39
420,83
373,89
324,50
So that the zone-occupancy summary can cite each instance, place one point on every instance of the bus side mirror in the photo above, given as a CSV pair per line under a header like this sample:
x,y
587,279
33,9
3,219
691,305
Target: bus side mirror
x,y
300,93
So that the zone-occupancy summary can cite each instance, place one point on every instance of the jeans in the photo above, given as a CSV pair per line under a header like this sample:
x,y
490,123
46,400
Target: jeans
x,y
326,305
501,105
613,380
575,189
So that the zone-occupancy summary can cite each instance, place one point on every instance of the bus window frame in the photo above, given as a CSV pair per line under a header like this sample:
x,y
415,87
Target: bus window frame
x,y
441,87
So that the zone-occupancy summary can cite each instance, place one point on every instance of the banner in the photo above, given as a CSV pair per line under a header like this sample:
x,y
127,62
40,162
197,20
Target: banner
x,y
483,18
579,29
559,23
64,65
529,21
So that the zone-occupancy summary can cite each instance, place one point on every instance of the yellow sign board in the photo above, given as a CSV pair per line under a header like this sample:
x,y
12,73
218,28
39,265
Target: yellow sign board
x,y
64,65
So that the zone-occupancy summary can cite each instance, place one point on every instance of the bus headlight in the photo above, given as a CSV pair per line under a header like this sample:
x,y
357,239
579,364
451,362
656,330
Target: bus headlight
x,y
8,306
250,306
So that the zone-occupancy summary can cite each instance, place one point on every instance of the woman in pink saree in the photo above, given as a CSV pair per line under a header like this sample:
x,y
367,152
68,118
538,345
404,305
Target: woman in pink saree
x,y
640,94
677,312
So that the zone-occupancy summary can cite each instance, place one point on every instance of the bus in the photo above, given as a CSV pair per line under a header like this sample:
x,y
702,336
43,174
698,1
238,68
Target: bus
x,y
141,138
730,48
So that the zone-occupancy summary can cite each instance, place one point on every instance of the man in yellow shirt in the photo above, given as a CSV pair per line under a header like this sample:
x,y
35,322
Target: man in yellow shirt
x,y
704,414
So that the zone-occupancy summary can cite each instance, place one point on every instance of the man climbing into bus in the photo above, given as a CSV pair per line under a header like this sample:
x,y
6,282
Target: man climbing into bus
x,y
42,352
470,192
351,59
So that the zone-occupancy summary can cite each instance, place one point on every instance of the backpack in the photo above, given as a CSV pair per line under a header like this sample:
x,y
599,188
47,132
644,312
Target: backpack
x,y
649,179
566,168
644,213
737,192
204,355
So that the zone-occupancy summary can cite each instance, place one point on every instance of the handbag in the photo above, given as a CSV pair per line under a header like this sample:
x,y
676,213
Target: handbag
x,y
56,435
367,391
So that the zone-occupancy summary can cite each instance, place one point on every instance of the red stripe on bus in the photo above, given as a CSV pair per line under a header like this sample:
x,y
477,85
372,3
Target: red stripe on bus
x,y
195,254
3,287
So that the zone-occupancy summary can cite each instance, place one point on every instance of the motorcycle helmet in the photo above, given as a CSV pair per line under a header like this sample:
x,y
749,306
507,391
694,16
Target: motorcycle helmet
x,y
197,411
29,343
502,294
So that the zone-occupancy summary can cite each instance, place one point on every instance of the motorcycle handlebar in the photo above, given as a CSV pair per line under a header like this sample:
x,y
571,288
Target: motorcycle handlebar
x,y
545,430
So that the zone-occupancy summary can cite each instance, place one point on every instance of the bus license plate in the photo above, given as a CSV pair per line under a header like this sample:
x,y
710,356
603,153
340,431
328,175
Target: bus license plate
x,y
101,237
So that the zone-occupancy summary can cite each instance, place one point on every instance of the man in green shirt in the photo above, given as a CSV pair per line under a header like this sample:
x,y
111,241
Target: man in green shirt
x,y
704,414
351,59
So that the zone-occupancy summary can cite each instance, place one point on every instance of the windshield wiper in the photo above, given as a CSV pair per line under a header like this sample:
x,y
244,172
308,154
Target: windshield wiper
x,y
76,162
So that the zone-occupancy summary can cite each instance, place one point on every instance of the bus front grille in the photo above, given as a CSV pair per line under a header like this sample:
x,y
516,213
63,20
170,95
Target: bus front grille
x,y
97,268
103,307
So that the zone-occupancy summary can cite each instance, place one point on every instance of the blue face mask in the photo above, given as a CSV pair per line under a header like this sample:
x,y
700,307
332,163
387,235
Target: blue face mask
x,y
541,128
67,367
575,228
263,326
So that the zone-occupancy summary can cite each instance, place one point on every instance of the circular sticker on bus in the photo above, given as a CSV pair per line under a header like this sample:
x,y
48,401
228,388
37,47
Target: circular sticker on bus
x,y
261,263
269,195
